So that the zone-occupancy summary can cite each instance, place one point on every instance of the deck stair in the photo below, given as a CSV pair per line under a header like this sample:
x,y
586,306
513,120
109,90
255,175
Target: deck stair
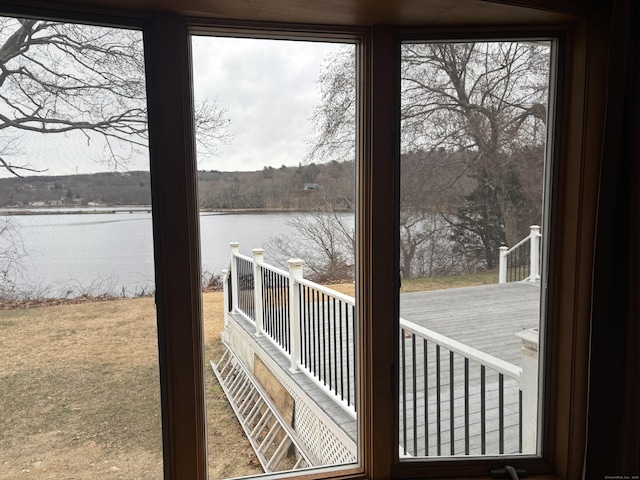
x,y
275,443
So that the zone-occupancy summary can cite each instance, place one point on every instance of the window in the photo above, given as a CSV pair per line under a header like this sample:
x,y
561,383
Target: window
x,y
474,118
583,68
281,187
79,382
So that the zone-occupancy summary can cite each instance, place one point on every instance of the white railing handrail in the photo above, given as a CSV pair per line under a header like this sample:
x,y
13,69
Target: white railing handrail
x,y
519,244
323,289
302,281
273,269
243,257
496,364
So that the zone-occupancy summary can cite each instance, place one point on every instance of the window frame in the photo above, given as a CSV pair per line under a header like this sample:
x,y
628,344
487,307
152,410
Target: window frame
x,y
572,200
177,254
538,463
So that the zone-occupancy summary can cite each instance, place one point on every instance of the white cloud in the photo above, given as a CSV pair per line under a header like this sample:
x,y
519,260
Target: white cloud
x,y
269,90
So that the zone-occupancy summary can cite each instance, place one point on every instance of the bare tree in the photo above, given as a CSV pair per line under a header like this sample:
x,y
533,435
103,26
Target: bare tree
x,y
473,127
63,77
488,100
334,120
324,239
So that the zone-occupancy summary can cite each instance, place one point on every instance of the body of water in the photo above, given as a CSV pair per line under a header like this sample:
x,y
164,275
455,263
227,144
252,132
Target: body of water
x,y
98,252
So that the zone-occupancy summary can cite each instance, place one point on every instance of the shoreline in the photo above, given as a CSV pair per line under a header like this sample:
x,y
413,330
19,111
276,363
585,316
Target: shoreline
x,y
11,211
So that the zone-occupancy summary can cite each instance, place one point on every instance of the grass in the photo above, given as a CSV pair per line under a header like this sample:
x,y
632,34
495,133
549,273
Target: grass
x,y
451,281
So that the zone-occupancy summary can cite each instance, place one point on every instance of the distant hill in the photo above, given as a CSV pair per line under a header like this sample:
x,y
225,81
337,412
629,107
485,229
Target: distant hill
x,y
131,188
284,188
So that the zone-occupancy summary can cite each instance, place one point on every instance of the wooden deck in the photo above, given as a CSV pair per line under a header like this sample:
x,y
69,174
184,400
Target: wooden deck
x,y
483,317
486,318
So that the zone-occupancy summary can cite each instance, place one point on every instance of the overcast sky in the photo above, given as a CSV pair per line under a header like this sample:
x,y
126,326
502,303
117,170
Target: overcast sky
x,y
267,87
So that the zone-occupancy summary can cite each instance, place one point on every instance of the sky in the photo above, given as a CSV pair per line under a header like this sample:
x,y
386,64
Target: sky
x,y
268,89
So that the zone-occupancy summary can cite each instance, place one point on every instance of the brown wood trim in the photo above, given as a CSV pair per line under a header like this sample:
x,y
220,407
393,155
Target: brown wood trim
x,y
275,30
585,111
177,247
379,251
361,13
63,12
572,7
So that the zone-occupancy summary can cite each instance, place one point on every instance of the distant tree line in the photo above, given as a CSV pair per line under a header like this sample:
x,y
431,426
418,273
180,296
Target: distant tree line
x,y
283,188
130,188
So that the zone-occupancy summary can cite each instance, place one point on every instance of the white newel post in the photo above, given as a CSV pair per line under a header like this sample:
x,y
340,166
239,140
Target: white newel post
x,y
258,259
529,387
534,268
225,295
224,335
295,272
502,266
235,250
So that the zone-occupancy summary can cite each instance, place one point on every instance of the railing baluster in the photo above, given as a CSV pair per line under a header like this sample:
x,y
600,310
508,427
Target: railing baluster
x,y
466,406
483,407
438,410
501,411
451,405
519,421
277,320
265,298
281,311
273,302
301,303
348,322
319,338
426,396
324,340
314,349
404,392
285,314
277,311
415,395
335,346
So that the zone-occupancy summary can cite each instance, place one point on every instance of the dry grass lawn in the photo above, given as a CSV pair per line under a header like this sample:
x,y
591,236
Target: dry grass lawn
x,y
79,394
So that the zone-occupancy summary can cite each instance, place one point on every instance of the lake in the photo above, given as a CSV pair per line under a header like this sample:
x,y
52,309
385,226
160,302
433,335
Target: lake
x,y
113,252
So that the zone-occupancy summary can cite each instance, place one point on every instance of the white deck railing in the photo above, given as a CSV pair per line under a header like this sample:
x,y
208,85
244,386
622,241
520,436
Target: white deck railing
x,y
521,263
315,327
312,324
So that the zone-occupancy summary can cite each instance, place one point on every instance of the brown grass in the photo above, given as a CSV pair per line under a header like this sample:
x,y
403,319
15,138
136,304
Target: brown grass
x,y
80,394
